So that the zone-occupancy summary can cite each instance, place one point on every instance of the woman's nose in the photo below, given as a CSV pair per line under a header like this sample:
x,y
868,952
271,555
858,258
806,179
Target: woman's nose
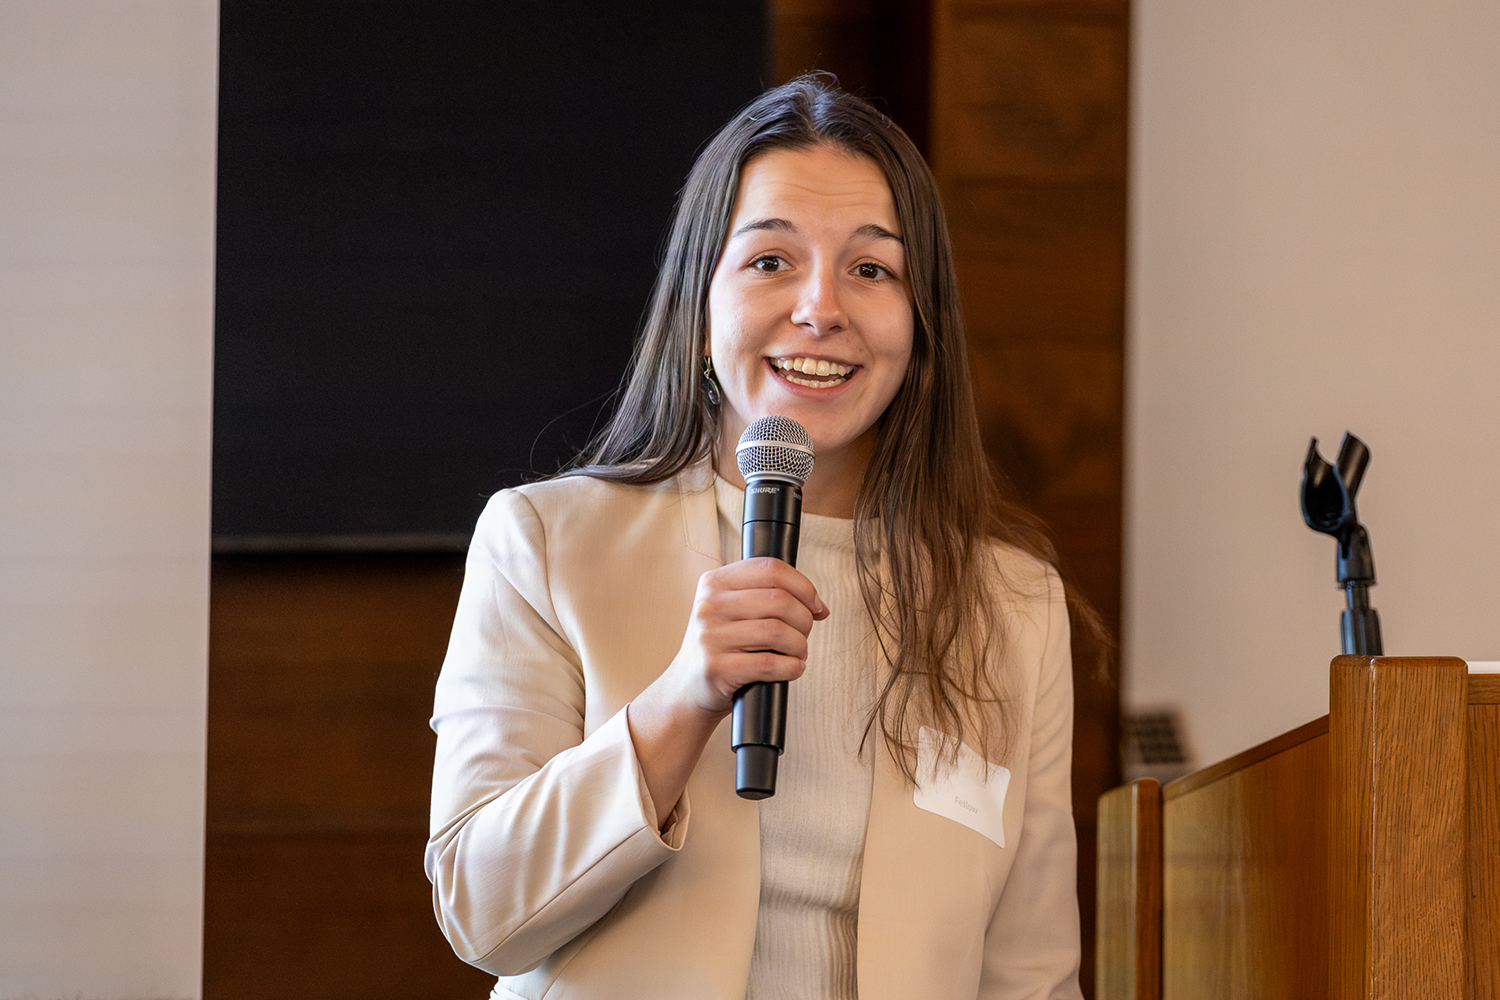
x,y
820,306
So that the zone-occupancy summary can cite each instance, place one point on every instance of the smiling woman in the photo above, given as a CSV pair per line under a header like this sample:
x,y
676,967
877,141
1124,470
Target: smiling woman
x,y
921,841
809,311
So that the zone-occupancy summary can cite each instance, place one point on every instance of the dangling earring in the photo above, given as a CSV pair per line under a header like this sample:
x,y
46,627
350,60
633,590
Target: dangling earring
x,y
710,384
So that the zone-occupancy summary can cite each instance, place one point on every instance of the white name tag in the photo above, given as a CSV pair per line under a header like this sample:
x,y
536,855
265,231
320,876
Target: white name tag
x,y
959,791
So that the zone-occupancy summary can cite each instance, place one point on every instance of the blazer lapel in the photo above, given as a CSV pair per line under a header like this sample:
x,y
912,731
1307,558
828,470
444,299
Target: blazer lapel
x,y
700,514
921,891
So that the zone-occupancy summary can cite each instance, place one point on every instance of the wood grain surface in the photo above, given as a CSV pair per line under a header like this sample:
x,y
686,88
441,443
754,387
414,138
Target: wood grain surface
x,y
1484,840
879,49
1484,689
1357,856
1398,868
1243,759
1128,936
321,673
1027,139
1244,891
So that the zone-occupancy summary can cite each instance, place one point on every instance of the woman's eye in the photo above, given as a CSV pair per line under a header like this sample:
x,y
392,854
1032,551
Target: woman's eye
x,y
871,271
767,264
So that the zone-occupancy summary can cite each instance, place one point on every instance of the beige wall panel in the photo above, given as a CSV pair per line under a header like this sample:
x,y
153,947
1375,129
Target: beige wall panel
x,y
1315,239
107,123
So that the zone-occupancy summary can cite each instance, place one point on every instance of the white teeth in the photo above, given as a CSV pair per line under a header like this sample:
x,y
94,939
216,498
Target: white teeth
x,y
812,366
813,385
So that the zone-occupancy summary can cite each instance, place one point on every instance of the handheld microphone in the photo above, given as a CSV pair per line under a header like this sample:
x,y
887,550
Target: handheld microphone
x,y
775,456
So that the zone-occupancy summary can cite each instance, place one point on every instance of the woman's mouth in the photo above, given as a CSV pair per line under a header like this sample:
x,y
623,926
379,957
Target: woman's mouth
x,y
813,373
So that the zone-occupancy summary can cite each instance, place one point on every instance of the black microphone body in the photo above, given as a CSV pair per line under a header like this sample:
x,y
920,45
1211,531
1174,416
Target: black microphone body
x,y
771,526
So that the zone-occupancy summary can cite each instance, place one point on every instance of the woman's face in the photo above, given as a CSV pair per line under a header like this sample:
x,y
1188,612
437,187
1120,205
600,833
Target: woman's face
x,y
810,311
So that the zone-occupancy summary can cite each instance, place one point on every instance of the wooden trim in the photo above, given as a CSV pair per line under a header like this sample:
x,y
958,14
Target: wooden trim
x,y
1398,827
1242,760
1484,844
1128,929
1484,689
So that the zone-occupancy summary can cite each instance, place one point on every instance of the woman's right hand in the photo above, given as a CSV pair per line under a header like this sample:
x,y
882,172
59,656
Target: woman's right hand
x,y
750,622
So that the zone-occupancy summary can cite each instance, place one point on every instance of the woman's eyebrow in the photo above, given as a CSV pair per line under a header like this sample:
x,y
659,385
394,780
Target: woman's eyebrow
x,y
869,231
877,232
780,225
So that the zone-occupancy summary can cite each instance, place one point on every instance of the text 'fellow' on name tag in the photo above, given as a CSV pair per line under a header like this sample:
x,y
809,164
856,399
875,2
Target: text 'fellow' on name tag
x,y
960,790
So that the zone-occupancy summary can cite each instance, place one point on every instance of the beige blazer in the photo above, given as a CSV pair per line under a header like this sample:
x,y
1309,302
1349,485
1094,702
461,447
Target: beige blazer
x,y
547,869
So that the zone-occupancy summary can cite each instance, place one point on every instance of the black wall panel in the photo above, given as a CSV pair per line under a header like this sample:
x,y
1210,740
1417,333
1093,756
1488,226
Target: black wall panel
x,y
438,224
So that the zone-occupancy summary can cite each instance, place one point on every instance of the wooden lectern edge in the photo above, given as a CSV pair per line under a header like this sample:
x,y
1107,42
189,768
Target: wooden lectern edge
x,y
1484,689
1398,842
1243,759
1128,903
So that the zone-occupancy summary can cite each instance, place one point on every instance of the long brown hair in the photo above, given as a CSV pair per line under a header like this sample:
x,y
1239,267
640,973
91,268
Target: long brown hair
x,y
929,508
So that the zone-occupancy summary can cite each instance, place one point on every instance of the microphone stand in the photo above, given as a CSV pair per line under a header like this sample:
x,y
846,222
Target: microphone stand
x,y
1328,507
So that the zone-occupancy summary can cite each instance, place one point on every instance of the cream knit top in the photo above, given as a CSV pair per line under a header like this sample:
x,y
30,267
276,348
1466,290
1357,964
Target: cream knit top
x,y
812,831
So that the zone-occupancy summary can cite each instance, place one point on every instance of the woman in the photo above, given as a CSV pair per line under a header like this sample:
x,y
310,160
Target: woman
x,y
586,837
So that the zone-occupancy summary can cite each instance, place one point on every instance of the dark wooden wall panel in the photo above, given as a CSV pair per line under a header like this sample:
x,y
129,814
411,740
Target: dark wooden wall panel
x,y
321,672
1027,136
880,49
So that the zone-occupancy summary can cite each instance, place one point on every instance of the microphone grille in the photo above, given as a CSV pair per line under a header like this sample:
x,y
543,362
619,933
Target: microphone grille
x,y
776,447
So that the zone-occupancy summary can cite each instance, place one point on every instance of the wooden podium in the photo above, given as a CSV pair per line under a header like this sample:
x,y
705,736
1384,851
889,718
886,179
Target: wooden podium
x,y
1357,856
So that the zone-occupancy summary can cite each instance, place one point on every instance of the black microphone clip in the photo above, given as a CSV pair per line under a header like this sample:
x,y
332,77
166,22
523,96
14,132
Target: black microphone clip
x,y
1328,493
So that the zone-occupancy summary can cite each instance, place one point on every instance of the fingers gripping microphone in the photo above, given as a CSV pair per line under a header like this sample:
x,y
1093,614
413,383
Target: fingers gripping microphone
x,y
775,456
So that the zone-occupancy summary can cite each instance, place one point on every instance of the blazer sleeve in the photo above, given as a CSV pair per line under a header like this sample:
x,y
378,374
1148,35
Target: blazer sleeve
x,y
1032,943
537,830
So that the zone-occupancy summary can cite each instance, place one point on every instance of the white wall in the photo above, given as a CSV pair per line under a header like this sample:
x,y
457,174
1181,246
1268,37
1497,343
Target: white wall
x,y
1315,246
107,119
